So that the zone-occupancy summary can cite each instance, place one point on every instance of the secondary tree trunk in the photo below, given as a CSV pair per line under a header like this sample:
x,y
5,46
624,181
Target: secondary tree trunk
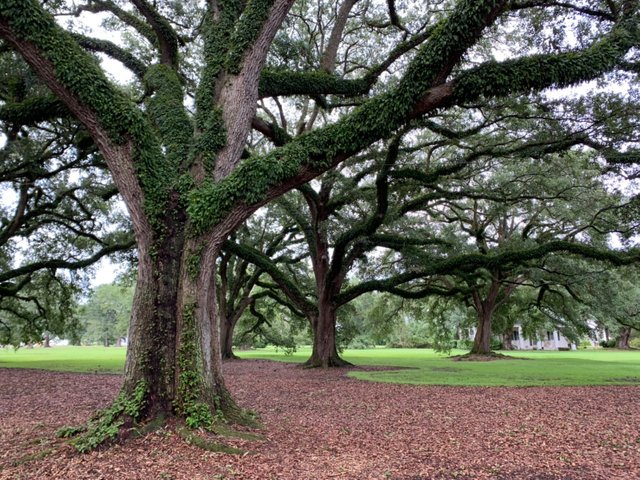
x,y
506,340
623,338
482,340
227,327
325,353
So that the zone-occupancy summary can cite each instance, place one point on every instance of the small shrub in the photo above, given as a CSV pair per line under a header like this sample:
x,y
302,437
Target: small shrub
x,y
608,343
584,344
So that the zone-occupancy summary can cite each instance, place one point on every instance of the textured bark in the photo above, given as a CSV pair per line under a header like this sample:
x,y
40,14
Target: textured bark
x,y
482,340
151,353
325,353
323,325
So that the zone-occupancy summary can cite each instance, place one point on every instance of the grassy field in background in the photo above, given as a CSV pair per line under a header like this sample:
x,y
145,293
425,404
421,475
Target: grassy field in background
x,y
67,359
420,366
425,367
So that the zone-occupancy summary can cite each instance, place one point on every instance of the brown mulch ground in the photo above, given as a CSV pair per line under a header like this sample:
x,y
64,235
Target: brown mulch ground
x,y
321,425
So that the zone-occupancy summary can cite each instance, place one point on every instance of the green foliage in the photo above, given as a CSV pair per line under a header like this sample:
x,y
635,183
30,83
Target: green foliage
x,y
500,79
608,343
105,316
105,425
190,391
82,76
246,32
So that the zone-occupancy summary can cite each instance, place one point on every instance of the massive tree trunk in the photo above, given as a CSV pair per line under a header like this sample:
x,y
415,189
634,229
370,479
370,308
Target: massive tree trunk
x,y
173,363
622,341
485,308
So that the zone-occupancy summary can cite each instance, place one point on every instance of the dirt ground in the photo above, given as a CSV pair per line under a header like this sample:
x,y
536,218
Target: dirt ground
x,y
321,425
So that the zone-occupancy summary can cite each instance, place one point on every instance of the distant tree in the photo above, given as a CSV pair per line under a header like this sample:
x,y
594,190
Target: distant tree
x,y
105,315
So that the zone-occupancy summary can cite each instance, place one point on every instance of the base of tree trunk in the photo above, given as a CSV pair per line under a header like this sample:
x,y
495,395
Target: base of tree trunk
x,y
482,357
332,362
230,356
127,417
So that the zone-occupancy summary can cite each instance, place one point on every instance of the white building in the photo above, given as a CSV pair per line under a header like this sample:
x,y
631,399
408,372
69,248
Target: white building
x,y
551,340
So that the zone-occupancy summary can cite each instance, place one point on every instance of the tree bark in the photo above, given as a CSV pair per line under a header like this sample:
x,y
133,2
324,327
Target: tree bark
x,y
482,340
325,353
622,341
227,326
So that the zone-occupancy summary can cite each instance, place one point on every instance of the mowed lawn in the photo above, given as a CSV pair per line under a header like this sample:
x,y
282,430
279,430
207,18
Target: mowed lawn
x,y
66,359
418,366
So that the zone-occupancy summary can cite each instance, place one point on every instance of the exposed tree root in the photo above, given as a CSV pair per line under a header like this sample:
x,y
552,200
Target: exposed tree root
x,y
193,438
333,362
483,357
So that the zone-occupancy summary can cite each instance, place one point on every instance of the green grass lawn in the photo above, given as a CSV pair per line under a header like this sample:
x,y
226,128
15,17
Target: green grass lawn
x,y
425,367
67,359
582,367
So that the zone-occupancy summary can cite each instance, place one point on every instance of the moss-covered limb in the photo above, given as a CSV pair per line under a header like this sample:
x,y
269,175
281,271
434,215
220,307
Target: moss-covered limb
x,y
112,50
97,6
33,110
593,12
166,37
278,135
106,425
166,110
376,119
75,77
536,72
246,31
217,28
451,38
274,83
264,263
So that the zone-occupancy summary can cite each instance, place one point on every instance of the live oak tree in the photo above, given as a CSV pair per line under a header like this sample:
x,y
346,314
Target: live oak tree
x,y
612,301
181,166
528,212
240,280
335,225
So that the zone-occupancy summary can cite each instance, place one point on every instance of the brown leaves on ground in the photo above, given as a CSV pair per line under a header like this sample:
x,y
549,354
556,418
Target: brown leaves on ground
x,y
321,425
